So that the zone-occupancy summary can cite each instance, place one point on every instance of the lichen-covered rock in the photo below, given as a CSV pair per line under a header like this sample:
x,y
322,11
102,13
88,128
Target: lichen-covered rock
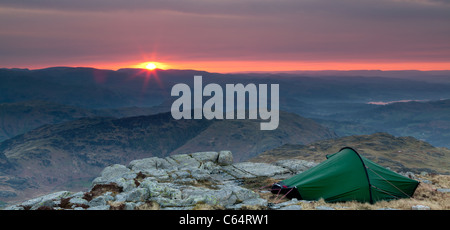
x,y
296,165
225,158
135,195
101,200
175,182
44,201
205,156
117,171
150,164
261,169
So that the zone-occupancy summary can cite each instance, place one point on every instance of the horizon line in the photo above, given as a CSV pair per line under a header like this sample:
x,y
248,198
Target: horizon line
x,y
229,72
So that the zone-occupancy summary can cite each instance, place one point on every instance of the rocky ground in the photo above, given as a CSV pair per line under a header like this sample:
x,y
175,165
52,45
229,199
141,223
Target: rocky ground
x,y
210,180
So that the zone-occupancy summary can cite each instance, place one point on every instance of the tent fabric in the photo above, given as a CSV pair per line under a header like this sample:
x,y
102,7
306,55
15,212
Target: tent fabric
x,y
346,176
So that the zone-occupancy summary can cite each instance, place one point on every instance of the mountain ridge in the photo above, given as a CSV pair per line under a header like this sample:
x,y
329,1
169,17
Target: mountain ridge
x,y
398,153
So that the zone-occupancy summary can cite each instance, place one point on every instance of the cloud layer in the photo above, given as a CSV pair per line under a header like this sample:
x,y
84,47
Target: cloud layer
x,y
52,32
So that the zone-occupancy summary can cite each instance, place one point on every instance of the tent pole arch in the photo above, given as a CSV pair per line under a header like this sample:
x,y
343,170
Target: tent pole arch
x,y
365,170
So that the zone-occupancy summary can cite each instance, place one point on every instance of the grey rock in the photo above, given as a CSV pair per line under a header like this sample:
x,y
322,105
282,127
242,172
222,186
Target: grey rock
x,y
161,174
292,207
210,167
261,169
192,195
227,194
130,205
125,184
152,163
46,200
236,173
225,158
78,201
185,181
185,161
101,200
324,208
387,209
200,174
256,202
76,195
175,182
138,194
241,193
296,165
177,208
444,190
291,202
206,156
118,174
420,207
167,202
181,174
103,207
155,189
117,171
135,195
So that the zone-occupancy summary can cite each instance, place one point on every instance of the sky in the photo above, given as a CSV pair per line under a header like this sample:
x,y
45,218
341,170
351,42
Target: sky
x,y
227,35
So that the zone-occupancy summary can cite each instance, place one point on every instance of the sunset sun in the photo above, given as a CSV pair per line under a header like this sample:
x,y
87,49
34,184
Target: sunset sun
x,y
150,66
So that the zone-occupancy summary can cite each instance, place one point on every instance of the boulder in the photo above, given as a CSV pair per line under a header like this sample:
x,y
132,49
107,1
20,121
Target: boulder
x,y
205,156
117,171
225,158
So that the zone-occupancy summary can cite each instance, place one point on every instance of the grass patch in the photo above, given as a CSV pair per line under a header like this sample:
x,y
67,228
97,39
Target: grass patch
x,y
425,194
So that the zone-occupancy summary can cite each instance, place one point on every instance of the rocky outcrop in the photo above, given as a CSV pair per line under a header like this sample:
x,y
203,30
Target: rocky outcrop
x,y
184,181
201,180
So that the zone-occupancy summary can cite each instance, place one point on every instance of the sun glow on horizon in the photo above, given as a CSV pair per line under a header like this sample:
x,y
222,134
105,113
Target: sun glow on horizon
x,y
150,66
259,66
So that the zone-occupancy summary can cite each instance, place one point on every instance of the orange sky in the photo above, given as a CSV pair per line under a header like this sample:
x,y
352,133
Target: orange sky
x,y
274,66
227,35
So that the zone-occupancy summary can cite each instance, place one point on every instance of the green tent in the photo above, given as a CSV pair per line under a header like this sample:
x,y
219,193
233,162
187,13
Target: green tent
x,y
346,176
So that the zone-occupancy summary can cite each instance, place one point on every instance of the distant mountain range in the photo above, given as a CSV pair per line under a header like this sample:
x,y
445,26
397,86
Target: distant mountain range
x,y
95,88
428,121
